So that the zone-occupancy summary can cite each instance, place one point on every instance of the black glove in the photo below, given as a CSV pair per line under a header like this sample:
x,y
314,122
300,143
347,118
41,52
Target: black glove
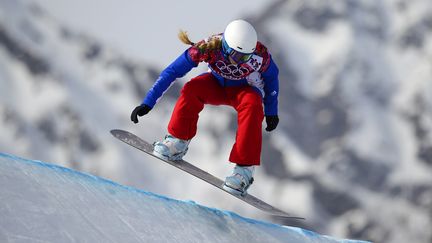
x,y
272,122
140,110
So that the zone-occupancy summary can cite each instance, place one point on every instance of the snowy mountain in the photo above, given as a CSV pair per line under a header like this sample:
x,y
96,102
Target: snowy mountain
x,y
353,151
357,121
43,202
61,92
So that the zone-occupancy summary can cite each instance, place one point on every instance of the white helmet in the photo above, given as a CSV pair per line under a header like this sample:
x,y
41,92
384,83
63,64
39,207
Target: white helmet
x,y
241,36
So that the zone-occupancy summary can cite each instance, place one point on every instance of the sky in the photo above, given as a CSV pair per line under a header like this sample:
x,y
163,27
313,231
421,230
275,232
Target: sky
x,y
147,30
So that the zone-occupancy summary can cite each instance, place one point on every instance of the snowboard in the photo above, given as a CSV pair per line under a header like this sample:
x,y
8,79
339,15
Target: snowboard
x,y
146,147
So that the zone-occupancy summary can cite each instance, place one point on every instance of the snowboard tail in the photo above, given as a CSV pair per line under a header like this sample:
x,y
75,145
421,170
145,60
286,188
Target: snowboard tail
x,y
146,147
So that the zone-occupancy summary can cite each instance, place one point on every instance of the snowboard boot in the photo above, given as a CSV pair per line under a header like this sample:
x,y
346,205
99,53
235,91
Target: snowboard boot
x,y
240,180
171,148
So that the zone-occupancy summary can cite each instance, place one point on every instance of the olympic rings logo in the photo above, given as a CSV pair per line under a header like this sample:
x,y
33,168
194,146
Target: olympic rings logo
x,y
231,71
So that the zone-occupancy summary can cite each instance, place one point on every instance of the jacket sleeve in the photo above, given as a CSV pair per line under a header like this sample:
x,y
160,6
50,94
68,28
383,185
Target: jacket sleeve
x,y
180,67
271,89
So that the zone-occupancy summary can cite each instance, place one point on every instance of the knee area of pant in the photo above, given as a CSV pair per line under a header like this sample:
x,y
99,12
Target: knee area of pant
x,y
255,110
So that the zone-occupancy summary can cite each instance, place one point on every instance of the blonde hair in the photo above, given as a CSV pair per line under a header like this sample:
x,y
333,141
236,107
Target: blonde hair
x,y
212,43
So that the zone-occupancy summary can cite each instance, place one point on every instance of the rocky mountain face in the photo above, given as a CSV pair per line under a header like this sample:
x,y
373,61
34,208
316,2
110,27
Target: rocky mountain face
x,y
356,103
61,90
352,153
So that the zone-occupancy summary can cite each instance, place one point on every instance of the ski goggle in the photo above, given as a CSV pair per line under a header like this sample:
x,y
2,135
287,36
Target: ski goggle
x,y
236,56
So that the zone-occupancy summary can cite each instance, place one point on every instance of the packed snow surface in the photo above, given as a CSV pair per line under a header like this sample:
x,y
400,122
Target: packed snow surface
x,y
47,203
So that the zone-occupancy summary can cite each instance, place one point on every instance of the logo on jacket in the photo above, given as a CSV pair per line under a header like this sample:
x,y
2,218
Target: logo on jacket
x,y
255,62
230,71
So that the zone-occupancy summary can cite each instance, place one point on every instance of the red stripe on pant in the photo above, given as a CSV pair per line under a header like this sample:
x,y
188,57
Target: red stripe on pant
x,y
205,89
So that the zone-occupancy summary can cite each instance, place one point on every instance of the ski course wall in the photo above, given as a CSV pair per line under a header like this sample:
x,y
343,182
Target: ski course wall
x,y
41,202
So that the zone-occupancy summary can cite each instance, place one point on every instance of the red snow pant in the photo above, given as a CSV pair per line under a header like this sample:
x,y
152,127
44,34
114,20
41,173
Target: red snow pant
x,y
205,89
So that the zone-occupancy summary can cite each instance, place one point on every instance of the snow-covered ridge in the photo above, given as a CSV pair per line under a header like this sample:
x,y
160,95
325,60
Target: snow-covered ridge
x,y
45,202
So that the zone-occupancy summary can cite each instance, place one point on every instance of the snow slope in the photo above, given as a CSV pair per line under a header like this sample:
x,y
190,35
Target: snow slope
x,y
46,203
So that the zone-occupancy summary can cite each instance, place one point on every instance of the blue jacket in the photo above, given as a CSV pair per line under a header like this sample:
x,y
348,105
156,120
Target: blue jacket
x,y
259,72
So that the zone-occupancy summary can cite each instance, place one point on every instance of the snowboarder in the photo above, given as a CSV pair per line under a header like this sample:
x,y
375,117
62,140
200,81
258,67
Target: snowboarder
x,y
241,74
